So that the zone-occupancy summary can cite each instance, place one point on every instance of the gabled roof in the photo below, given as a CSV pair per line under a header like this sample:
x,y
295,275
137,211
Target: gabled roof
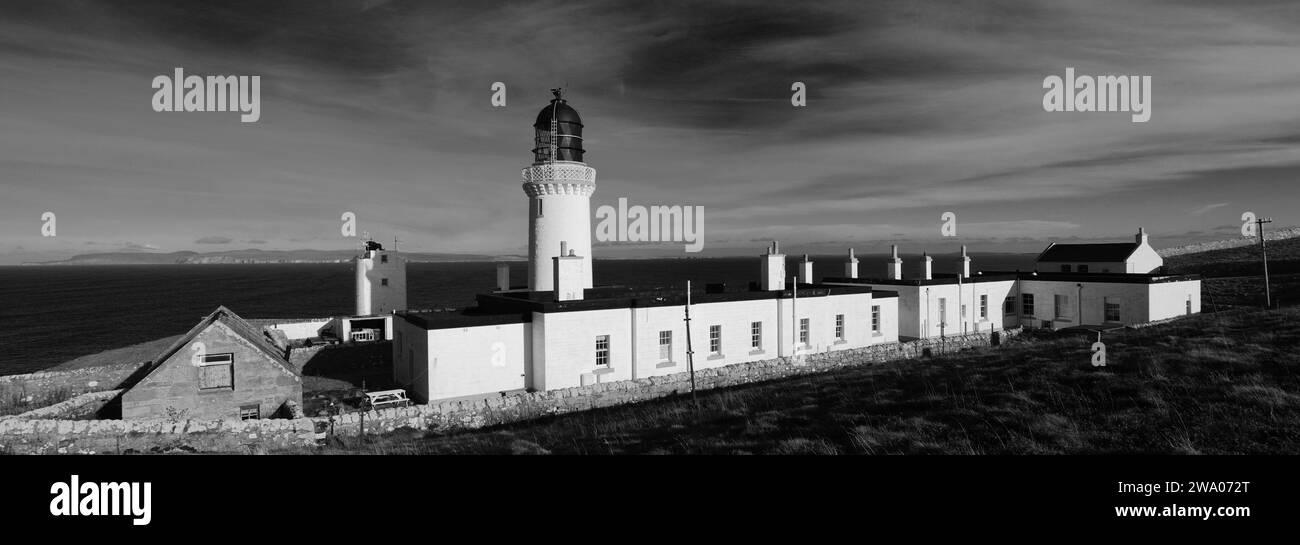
x,y
231,320
1106,252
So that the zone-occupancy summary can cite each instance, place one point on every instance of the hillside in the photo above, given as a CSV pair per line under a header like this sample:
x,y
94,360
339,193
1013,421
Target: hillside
x,y
1227,383
247,256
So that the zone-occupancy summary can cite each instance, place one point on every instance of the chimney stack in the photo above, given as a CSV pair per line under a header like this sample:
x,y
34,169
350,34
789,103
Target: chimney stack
x,y
1142,236
894,268
927,266
567,274
772,265
806,271
965,263
851,266
503,277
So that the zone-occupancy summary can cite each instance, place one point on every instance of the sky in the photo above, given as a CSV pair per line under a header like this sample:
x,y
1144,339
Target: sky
x,y
383,109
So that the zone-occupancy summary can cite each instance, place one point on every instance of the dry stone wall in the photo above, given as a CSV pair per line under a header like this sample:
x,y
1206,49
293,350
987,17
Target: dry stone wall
x,y
34,436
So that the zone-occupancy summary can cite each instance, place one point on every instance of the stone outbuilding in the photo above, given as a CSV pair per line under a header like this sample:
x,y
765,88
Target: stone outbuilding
x,y
223,368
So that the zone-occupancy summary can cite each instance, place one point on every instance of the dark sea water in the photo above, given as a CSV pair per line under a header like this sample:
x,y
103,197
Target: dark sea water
x,y
49,315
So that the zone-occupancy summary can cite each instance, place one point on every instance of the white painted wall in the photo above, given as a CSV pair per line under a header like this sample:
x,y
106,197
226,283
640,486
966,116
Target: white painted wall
x,y
564,347
303,330
1169,299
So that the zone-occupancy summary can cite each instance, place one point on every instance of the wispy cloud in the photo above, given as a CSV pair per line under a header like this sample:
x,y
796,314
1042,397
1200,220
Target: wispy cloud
x,y
1208,207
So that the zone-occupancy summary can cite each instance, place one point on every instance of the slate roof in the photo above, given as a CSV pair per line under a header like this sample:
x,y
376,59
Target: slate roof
x,y
1106,252
241,327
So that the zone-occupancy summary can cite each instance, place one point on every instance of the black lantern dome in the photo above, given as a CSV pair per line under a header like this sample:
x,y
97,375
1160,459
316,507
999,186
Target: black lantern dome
x,y
558,127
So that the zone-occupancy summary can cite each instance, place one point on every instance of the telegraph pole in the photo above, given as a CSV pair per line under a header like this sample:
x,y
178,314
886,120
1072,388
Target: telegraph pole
x,y
690,351
1259,228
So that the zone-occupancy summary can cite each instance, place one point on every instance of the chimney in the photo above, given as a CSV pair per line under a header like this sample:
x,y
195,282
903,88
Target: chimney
x,y
503,277
894,269
1142,237
927,266
772,269
567,269
965,263
851,266
805,271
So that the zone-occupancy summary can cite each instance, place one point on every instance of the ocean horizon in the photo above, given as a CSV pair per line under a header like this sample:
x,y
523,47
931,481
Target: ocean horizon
x,y
51,315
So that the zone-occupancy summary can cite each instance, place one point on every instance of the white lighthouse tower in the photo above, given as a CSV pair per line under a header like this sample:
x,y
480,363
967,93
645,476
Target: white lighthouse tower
x,y
559,187
381,281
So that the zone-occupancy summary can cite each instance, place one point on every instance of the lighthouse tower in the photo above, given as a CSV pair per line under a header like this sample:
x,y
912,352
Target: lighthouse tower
x,y
381,281
559,187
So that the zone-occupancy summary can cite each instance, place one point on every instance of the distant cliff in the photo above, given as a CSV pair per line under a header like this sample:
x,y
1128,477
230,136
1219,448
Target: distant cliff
x,y
247,256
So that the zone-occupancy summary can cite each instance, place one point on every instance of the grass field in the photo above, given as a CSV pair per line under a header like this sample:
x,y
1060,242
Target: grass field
x,y
1208,384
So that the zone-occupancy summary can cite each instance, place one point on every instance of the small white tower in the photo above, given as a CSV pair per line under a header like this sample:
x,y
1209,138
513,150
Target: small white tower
x,y
965,263
772,274
381,281
559,187
927,266
851,266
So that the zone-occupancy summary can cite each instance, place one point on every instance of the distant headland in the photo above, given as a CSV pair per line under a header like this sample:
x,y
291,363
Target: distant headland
x,y
253,256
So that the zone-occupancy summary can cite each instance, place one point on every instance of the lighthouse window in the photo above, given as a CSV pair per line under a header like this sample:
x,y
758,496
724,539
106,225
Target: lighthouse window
x,y
539,208
383,281
602,350
383,258
715,339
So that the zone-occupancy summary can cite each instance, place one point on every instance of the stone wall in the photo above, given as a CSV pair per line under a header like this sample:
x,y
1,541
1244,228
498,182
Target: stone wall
x,y
74,382
493,410
29,436
26,436
82,406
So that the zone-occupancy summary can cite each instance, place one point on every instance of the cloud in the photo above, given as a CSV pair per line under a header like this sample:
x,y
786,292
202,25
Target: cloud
x,y
253,241
1208,208
214,240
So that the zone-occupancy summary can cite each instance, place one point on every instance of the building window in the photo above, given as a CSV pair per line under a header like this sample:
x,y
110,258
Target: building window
x,y
839,327
1083,268
1061,302
1112,309
665,345
217,372
1189,304
984,307
875,318
963,312
803,331
249,412
1009,305
715,339
383,281
756,335
943,312
383,258
1065,268
539,208
1027,304
602,350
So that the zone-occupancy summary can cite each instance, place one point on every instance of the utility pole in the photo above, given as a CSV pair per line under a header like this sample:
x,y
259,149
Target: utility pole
x,y
1259,228
690,352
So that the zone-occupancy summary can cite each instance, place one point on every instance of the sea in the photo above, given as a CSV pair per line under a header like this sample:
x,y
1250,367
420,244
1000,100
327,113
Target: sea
x,y
52,314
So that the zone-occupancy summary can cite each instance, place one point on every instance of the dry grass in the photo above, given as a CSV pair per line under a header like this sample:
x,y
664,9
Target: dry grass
x,y
1210,384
